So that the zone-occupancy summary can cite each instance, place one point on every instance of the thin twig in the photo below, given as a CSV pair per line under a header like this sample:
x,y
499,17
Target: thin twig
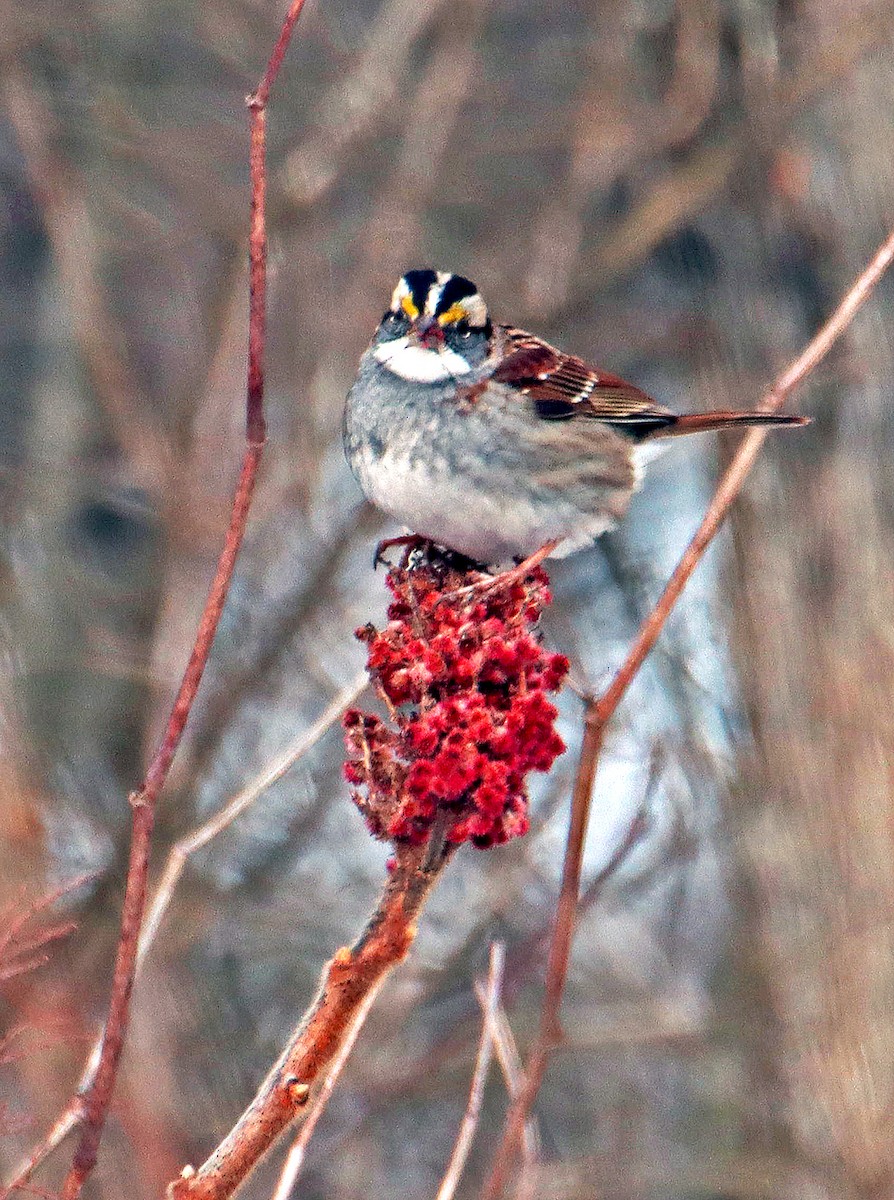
x,y
44,1193
68,1120
99,1094
72,233
677,193
614,129
531,948
469,1123
511,1065
599,711
198,838
353,108
394,231
23,941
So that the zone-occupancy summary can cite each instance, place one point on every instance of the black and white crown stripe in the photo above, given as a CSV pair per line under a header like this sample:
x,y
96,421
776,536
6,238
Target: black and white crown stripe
x,y
434,294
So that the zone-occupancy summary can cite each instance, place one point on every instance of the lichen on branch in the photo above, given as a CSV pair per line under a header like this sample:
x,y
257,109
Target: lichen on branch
x,y
465,677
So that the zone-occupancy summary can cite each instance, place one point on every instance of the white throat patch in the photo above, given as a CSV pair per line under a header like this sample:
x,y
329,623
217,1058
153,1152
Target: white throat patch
x,y
416,364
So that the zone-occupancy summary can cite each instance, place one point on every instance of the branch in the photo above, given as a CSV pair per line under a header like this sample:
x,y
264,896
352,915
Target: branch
x,y
600,710
358,102
184,848
24,940
486,1045
98,1097
511,1066
178,856
295,1158
350,981
65,212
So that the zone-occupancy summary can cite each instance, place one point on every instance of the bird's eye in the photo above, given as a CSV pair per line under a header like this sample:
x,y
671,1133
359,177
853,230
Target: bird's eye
x,y
392,322
463,330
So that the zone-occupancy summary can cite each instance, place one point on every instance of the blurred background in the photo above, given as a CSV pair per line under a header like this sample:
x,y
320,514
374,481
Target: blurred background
x,y
679,191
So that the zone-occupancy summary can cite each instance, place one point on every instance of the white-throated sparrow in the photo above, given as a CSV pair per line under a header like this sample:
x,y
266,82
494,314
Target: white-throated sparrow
x,y
489,441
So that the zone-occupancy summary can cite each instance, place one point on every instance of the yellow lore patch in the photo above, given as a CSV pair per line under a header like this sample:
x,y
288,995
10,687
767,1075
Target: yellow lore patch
x,y
406,303
456,312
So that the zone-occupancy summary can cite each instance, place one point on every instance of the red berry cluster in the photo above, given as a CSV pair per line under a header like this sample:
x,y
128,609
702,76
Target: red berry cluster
x,y
465,678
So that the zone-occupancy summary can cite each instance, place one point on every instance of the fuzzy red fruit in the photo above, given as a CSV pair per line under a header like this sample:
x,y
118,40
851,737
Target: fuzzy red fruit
x,y
467,679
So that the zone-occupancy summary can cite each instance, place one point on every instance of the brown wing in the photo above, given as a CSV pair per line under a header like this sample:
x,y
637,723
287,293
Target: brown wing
x,y
563,386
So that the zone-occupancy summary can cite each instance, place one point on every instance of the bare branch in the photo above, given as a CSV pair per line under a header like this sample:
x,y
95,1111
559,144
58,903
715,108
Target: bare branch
x,y
73,237
295,1158
511,1066
178,856
23,941
344,996
198,838
599,711
99,1093
469,1122
354,108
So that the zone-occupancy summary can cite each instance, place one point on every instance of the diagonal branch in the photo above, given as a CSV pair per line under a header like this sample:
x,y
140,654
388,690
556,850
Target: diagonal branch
x,y
98,1096
295,1158
178,856
350,980
600,710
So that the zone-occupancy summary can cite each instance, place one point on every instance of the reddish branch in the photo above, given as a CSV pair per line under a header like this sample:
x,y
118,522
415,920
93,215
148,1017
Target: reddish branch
x,y
97,1095
348,980
25,936
600,710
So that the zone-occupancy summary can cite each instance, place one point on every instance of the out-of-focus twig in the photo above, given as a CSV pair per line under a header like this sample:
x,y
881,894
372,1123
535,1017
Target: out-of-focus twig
x,y
614,130
67,1120
511,1065
600,710
669,201
469,1123
198,838
354,107
529,950
682,190
246,679
693,86
394,230
23,939
72,236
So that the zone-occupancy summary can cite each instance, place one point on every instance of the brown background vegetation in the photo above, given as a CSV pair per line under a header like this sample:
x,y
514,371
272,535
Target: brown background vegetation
x,y
678,191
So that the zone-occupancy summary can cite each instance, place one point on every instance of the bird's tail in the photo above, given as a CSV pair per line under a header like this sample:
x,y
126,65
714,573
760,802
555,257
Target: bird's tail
x,y
703,422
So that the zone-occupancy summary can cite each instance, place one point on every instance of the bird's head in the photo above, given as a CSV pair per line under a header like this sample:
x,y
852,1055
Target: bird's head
x,y
437,328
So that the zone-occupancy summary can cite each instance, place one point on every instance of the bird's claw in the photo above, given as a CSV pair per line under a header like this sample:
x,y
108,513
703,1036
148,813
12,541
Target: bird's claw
x,y
409,540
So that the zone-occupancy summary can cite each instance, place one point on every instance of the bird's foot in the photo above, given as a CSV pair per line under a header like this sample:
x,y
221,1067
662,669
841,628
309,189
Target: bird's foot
x,y
410,541
422,551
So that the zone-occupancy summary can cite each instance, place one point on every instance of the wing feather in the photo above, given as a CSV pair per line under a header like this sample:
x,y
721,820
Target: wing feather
x,y
564,387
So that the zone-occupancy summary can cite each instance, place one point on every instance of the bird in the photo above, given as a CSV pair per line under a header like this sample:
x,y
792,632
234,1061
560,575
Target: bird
x,y
488,441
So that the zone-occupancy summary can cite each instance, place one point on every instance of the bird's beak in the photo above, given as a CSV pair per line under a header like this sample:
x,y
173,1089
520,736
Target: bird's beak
x,y
426,332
